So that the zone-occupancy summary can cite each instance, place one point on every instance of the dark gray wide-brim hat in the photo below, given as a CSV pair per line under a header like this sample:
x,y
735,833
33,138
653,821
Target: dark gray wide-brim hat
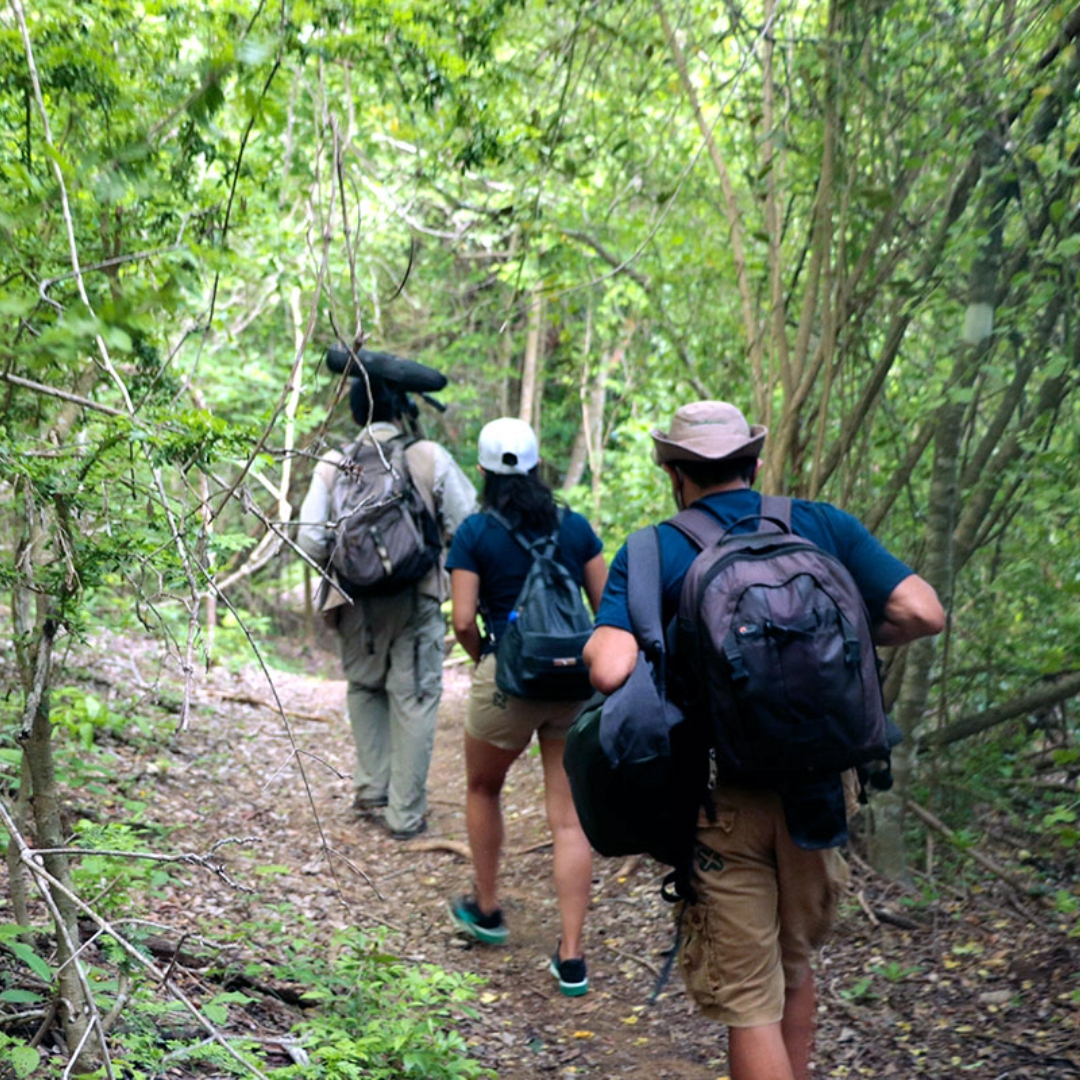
x,y
708,431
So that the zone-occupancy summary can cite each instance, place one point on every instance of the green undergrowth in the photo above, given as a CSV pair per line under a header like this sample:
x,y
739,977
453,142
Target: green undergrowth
x,y
343,1008
378,1016
362,1012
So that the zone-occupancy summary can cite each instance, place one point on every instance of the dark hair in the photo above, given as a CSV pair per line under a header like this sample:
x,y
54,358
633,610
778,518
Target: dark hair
x,y
524,500
384,402
707,474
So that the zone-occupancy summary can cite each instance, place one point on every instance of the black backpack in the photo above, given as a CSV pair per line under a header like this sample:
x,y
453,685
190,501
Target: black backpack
x,y
385,539
539,654
637,767
776,654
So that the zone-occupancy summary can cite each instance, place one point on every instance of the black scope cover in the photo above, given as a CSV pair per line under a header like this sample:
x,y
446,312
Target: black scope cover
x,y
408,375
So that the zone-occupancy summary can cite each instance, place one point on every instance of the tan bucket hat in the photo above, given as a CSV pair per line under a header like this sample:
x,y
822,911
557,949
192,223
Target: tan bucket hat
x,y
708,431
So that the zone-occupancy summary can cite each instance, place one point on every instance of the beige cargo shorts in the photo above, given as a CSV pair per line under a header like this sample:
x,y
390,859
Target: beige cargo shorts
x,y
509,722
764,906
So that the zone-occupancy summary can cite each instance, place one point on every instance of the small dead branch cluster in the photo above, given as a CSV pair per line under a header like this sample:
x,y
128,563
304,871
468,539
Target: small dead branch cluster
x,y
33,862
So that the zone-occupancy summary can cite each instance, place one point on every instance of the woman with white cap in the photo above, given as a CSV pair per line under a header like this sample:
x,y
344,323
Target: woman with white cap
x,y
487,569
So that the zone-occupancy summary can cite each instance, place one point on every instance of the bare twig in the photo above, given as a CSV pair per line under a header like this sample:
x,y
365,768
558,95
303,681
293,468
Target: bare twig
x,y
984,861
62,395
250,699
188,858
648,965
860,896
529,849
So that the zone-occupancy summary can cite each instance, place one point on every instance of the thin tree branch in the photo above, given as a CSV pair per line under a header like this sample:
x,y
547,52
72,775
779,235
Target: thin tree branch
x,y
1053,691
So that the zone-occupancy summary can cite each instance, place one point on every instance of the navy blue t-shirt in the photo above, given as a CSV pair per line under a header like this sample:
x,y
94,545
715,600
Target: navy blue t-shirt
x,y
875,570
483,546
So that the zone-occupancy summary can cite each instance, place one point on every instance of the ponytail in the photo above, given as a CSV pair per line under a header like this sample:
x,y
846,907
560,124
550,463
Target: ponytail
x,y
524,500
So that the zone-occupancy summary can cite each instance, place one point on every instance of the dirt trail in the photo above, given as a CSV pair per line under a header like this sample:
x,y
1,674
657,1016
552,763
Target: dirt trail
x,y
954,988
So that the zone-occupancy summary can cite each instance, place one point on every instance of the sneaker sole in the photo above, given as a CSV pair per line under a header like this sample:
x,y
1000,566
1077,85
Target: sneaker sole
x,y
479,933
569,989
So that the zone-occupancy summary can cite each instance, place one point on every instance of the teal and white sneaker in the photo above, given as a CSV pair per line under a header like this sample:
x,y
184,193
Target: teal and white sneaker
x,y
488,929
572,975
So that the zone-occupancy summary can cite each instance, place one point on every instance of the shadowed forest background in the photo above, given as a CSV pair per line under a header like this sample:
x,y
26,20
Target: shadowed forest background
x,y
859,221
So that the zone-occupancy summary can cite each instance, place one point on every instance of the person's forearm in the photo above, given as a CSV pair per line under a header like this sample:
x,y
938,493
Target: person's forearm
x,y
470,640
610,654
887,634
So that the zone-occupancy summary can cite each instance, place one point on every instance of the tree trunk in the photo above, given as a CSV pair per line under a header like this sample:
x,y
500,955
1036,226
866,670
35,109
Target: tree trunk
x,y
943,503
49,832
506,371
35,740
588,443
579,456
579,453
531,381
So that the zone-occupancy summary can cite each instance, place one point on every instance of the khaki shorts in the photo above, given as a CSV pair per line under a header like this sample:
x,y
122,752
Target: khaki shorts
x,y
509,722
764,905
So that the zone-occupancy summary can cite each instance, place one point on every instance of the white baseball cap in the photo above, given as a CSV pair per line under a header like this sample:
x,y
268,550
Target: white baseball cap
x,y
508,446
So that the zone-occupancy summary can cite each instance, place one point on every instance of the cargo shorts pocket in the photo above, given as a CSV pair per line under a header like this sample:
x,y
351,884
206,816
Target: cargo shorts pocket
x,y
699,957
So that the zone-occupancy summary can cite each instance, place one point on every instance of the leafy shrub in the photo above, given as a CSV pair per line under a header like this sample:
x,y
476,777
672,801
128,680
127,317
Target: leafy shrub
x,y
380,1017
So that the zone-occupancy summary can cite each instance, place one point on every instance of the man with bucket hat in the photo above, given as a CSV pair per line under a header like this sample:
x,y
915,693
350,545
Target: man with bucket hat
x,y
767,870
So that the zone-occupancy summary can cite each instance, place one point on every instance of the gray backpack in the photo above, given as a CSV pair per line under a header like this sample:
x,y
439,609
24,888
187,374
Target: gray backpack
x,y
384,537
776,654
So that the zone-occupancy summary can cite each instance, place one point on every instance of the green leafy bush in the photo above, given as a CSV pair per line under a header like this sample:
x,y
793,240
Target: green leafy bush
x,y
381,1017
23,1060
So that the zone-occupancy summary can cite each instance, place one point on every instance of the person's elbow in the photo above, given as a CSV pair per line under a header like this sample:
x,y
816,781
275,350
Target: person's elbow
x,y
932,620
313,544
913,611
604,681
610,655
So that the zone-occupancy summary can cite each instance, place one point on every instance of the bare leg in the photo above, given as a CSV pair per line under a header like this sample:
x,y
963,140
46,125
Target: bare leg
x,y
573,856
800,1009
778,1051
485,770
758,1053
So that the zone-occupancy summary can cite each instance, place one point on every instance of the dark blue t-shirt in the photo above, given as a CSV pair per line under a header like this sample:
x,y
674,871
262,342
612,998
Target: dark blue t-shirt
x,y
483,546
875,570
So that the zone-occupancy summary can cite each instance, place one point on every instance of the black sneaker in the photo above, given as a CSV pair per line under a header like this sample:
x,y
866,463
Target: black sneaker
x,y
367,807
407,834
572,975
488,929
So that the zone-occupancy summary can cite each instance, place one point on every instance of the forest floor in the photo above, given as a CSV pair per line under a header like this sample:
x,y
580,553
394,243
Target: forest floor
x,y
947,979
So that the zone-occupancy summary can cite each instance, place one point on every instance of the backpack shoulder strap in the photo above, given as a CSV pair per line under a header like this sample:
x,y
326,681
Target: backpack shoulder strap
x,y
644,587
698,526
544,545
777,508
